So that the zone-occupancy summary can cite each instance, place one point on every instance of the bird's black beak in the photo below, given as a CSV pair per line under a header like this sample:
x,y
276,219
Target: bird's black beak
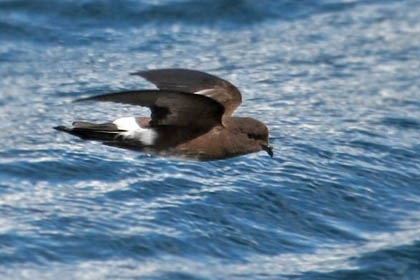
x,y
268,149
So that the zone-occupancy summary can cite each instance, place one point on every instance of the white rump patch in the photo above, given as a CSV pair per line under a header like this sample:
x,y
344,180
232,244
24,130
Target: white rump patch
x,y
134,131
128,123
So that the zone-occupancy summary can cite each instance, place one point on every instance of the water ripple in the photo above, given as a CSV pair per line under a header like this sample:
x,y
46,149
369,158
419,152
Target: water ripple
x,y
339,200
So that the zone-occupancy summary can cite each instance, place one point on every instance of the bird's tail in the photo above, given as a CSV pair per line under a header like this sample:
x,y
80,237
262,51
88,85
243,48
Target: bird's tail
x,y
92,131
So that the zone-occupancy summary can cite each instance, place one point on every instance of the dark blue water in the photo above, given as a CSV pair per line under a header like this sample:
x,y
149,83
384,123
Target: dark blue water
x,y
337,82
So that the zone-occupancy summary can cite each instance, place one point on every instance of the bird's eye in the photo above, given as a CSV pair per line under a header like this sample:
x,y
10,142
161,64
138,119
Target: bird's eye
x,y
252,136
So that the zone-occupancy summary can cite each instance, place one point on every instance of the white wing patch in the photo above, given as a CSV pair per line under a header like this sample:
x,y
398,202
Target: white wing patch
x,y
218,94
134,131
208,91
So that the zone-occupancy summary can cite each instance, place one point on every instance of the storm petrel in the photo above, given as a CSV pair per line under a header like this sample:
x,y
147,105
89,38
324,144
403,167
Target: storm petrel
x,y
191,117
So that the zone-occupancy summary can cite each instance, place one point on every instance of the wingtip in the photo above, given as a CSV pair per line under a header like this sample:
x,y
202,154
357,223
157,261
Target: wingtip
x,y
83,99
137,73
61,128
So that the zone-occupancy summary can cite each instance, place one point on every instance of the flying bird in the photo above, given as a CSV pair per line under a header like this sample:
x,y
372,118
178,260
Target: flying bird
x,y
191,117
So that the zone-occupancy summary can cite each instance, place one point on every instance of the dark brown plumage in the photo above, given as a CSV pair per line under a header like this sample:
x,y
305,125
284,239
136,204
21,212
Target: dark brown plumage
x,y
190,118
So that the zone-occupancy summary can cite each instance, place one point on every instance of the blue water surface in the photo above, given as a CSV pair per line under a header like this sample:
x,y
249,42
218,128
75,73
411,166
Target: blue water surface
x,y
336,81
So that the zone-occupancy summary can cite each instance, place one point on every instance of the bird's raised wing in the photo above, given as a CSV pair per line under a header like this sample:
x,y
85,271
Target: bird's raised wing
x,y
170,107
196,82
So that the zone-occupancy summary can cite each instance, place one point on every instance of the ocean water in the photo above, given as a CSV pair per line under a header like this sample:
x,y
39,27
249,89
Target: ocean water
x,y
336,81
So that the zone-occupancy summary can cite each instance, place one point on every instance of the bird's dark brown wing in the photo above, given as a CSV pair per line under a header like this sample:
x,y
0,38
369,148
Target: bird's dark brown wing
x,y
170,107
197,82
